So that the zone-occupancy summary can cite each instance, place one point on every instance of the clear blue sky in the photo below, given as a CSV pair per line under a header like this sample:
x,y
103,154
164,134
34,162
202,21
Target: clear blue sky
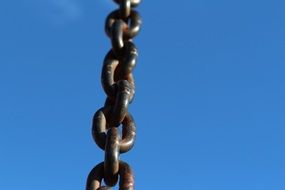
x,y
209,105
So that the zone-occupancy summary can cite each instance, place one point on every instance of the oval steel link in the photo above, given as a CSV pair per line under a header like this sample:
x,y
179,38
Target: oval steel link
x,y
99,129
129,60
107,75
125,8
129,31
110,75
123,98
96,176
117,36
127,181
128,134
111,163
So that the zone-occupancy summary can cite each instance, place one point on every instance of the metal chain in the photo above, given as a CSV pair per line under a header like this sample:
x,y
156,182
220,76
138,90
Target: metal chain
x,y
118,83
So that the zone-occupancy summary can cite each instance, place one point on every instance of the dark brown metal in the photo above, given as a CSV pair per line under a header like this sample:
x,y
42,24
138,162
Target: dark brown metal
x,y
117,36
129,30
95,177
99,131
111,74
107,75
119,85
125,8
129,134
120,108
111,163
127,181
129,61
99,128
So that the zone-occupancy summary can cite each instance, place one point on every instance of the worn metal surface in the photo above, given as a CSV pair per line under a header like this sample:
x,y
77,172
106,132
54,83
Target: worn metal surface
x,y
118,83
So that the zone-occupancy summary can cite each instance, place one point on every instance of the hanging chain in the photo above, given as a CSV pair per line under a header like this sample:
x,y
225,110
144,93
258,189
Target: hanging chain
x,y
118,83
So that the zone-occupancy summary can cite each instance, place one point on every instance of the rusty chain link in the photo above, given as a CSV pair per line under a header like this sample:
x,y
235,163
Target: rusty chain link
x,y
118,83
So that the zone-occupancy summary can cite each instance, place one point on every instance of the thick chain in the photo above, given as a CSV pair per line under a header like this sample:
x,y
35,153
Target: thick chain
x,y
118,83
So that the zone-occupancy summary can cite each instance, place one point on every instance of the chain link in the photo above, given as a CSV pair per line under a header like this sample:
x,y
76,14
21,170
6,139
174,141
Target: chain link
x,y
118,83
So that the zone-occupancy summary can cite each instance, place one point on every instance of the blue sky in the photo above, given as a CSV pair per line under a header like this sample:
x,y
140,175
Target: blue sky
x,y
209,105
